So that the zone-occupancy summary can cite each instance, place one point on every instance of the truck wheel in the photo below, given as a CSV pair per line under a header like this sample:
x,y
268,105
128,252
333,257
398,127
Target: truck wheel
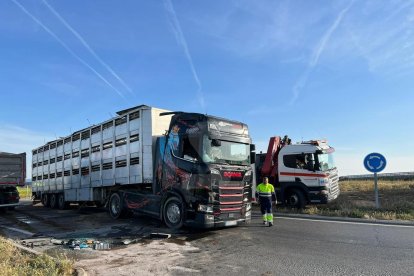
x,y
115,206
173,212
46,200
53,201
295,199
61,204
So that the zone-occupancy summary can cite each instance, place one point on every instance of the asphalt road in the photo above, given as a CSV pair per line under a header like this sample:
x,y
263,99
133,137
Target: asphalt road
x,y
306,247
291,247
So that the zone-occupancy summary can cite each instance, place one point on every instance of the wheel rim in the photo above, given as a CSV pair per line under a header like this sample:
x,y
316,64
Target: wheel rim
x,y
115,205
173,213
293,199
45,199
61,201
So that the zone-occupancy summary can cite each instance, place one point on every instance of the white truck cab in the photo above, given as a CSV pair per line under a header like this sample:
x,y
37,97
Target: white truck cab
x,y
302,173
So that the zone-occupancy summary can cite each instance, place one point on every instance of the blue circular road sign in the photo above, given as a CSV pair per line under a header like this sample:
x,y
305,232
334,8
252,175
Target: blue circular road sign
x,y
375,162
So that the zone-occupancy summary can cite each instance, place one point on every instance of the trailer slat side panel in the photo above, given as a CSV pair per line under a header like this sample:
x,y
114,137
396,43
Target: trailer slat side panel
x,y
117,151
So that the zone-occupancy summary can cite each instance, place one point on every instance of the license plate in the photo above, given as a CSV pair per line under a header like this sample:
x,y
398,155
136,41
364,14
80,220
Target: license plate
x,y
230,223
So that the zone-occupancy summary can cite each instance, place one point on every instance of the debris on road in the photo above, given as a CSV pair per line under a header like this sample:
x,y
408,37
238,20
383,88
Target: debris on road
x,y
159,236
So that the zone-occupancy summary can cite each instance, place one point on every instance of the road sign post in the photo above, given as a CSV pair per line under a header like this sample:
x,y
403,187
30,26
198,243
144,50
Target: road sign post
x,y
377,203
375,162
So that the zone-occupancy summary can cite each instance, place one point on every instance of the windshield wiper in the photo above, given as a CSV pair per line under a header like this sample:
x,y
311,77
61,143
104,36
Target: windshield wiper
x,y
221,161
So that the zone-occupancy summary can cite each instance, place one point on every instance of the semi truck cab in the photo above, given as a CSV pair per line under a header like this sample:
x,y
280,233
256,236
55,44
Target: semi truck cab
x,y
303,173
204,163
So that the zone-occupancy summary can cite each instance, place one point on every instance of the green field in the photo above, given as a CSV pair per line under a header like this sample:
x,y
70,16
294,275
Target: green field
x,y
357,200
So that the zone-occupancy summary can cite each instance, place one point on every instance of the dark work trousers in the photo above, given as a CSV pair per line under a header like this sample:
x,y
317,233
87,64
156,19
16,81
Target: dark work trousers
x,y
265,205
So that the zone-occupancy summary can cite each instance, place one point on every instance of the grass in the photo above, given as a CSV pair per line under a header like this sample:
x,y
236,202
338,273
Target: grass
x,y
25,192
16,262
357,200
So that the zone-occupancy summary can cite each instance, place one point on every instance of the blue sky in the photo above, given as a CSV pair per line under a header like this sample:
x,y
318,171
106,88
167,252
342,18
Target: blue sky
x,y
340,70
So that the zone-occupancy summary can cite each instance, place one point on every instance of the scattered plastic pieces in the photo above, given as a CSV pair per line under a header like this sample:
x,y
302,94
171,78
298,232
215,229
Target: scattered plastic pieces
x,y
160,236
56,241
102,246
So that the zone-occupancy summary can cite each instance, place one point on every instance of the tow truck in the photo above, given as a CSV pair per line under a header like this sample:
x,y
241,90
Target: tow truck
x,y
302,173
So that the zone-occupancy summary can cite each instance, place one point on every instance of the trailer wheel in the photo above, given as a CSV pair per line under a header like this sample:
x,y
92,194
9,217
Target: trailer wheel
x,y
115,206
173,212
53,201
295,199
46,200
61,204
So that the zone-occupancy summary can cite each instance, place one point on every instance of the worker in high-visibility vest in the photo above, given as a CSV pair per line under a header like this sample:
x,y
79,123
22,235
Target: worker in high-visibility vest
x,y
265,192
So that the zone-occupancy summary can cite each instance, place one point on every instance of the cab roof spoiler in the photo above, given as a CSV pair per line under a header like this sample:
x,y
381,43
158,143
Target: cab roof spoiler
x,y
171,113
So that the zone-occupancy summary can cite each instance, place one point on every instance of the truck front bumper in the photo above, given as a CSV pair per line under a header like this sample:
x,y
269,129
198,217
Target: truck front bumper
x,y
208,221
322,197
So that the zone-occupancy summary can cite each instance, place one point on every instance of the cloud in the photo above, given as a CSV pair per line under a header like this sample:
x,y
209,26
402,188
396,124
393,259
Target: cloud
x,y
67,48
325,38
87,46
303,79
382,35
179,36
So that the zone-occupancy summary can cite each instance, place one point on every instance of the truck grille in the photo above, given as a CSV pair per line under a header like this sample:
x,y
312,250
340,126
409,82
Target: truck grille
x,y
334,188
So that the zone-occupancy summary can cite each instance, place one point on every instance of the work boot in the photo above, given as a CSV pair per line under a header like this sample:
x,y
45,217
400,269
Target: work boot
x,y
264,222
270,224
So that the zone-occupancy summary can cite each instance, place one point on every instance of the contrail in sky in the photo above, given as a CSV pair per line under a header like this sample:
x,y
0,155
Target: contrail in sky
x,y
301,82
179,36
66,47
86,45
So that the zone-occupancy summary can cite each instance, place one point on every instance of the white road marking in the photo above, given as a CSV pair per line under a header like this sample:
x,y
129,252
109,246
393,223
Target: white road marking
x,y
18,230
349,222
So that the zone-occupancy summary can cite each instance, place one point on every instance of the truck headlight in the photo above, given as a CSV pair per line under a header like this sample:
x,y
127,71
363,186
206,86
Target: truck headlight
x,y
214,171
205,208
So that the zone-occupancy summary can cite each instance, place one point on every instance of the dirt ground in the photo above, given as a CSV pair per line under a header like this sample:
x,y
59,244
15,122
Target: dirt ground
x,y
35,226
158,257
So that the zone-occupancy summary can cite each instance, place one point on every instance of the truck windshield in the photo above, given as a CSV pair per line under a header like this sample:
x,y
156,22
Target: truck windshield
x,y
326,161
226,152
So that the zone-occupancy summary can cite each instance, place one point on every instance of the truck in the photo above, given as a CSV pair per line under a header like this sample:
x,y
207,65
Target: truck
x,y
179,167
12,174
302,173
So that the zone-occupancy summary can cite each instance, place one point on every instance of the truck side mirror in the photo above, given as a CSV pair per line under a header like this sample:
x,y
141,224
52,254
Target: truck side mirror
x,y
252,157
252,147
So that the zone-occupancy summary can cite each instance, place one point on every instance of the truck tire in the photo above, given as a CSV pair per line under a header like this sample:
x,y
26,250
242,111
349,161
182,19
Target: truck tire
x,y
61,204
46,200
115,206
173,212
295,199
53,201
